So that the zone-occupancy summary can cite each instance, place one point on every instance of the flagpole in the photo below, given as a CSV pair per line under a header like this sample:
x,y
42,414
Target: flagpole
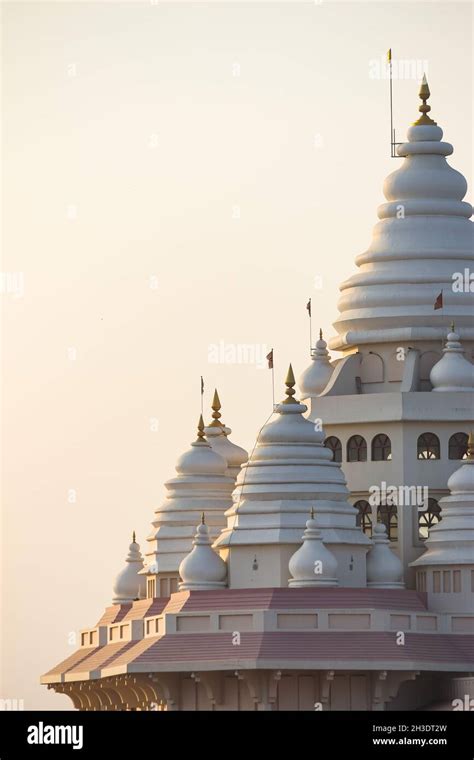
x,y
202,395
273,388
308,309
392,137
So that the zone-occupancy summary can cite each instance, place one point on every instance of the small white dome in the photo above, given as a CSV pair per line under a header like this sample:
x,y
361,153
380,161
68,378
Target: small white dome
x,y
129,585
312,564
453,372
384,569
202,569
315,378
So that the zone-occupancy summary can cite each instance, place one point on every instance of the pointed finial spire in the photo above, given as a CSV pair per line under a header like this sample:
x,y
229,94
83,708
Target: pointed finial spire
x,y
134,539
203,521
201,437
216,406
290,391
312,513
470,447
452,326
320,334
424,109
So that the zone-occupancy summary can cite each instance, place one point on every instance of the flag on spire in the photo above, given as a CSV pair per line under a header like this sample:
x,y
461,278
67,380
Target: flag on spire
x,y
308,306
438,304
269,358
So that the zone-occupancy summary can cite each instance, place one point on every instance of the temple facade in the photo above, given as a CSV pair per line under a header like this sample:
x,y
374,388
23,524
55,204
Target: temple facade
x,y
333,568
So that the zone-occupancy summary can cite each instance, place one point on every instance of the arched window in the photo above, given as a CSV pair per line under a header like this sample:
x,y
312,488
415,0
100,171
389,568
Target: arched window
x,y
381,448
335,445
458,446
364,516
427,518
356,449
428,446
388,515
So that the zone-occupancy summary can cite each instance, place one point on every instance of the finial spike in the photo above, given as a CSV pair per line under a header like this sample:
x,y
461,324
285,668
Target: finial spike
x,y
312,513
424,109
134,540
452,326
216,406
320,334
290,391
203,520
201,437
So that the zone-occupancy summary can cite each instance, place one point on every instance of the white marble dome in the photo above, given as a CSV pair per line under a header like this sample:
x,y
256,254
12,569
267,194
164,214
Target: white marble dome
x,y
129,585
315,377
312,564
453,372
202,569
384,568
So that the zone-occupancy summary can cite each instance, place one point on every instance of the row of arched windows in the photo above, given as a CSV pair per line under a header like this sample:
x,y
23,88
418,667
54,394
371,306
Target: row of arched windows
x,y
428,447
381,448
388,515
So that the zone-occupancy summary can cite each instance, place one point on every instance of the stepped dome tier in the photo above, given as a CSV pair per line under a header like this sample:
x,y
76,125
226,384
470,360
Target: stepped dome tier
x,y
203,483
289,467
424,237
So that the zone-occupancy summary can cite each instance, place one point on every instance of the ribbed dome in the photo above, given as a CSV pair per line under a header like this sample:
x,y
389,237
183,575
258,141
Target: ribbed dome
x,y
315,378
453,372
129,585
202,569
424,235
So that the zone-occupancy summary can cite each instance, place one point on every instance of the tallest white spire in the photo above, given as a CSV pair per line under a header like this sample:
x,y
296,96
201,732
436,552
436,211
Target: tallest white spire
x,y
423,237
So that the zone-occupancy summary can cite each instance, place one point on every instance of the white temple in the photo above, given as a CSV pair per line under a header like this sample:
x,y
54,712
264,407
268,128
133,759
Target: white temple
x,y
334,568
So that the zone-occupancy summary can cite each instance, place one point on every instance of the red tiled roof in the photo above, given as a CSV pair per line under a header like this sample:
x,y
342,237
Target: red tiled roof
x,y
297,598
133,610
304,645
72,660
102,657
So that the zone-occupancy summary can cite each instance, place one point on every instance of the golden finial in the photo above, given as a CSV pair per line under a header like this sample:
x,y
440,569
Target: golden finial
x,y
312,513
216,406
320,334
424,109
201,437
290,391
203,521
134,538
452,327
470,447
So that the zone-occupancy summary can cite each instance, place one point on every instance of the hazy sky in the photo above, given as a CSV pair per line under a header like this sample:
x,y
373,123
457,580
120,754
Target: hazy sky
x,y
176,176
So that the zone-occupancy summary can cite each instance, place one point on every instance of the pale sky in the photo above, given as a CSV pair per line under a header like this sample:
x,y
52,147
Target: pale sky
x,y
175,175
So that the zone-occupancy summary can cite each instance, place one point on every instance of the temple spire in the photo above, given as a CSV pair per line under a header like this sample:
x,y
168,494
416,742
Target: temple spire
x,y
424,109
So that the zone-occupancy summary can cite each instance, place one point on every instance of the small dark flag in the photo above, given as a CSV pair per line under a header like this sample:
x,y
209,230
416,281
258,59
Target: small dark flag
x,y
269,358
438,304
202,386
308,306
